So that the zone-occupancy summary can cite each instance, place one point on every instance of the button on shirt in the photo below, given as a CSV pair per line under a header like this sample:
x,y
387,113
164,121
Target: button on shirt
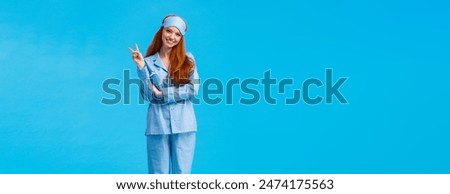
x,y
174,111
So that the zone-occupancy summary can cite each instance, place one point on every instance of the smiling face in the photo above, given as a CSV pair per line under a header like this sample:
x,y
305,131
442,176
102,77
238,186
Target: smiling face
x,y
170,36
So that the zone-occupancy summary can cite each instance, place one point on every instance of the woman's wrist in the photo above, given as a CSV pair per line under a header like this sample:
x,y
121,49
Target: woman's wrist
x,y
140,66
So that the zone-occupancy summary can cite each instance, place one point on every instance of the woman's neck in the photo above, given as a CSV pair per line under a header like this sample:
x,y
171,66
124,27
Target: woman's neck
x,y
164,52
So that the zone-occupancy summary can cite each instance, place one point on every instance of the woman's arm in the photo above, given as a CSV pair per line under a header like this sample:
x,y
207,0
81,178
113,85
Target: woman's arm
x,y
146,86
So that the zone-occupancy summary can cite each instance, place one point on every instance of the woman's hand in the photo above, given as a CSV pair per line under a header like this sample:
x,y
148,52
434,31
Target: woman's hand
x,y
137,57
156,91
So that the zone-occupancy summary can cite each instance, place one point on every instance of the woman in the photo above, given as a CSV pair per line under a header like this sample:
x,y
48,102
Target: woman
x,y
169,81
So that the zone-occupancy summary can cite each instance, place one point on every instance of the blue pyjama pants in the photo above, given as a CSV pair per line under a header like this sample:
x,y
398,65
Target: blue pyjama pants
x,y
172,153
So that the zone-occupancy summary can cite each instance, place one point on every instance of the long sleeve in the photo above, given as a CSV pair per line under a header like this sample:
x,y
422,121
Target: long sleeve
x,y
146,90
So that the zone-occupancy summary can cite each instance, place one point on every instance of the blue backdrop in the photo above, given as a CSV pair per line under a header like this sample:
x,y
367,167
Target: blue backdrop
x,y
55,55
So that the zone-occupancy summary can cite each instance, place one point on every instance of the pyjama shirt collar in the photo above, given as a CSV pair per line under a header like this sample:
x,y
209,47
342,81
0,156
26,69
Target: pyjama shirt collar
x,y
156,61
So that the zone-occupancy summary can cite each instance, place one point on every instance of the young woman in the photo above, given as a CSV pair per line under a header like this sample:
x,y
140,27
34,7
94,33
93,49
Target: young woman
x,y
169,81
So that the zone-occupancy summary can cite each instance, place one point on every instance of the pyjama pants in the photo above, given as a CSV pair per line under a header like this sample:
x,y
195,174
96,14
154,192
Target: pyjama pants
x,y
170,153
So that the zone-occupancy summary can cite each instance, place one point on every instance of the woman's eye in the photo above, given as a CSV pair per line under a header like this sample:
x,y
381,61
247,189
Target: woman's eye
x,y
178,34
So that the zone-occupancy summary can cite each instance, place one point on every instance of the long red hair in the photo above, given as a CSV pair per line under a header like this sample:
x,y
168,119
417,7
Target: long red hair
x,y
180,64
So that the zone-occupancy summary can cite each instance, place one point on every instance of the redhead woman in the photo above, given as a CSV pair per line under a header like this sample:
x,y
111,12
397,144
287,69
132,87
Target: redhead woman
x,y
169,81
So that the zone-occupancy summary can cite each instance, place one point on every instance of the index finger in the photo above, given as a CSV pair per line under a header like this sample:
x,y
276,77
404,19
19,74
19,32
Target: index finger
x,y
130,49
136,45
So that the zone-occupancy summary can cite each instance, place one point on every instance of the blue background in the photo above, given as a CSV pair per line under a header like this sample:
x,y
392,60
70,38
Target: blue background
x,y
56,54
